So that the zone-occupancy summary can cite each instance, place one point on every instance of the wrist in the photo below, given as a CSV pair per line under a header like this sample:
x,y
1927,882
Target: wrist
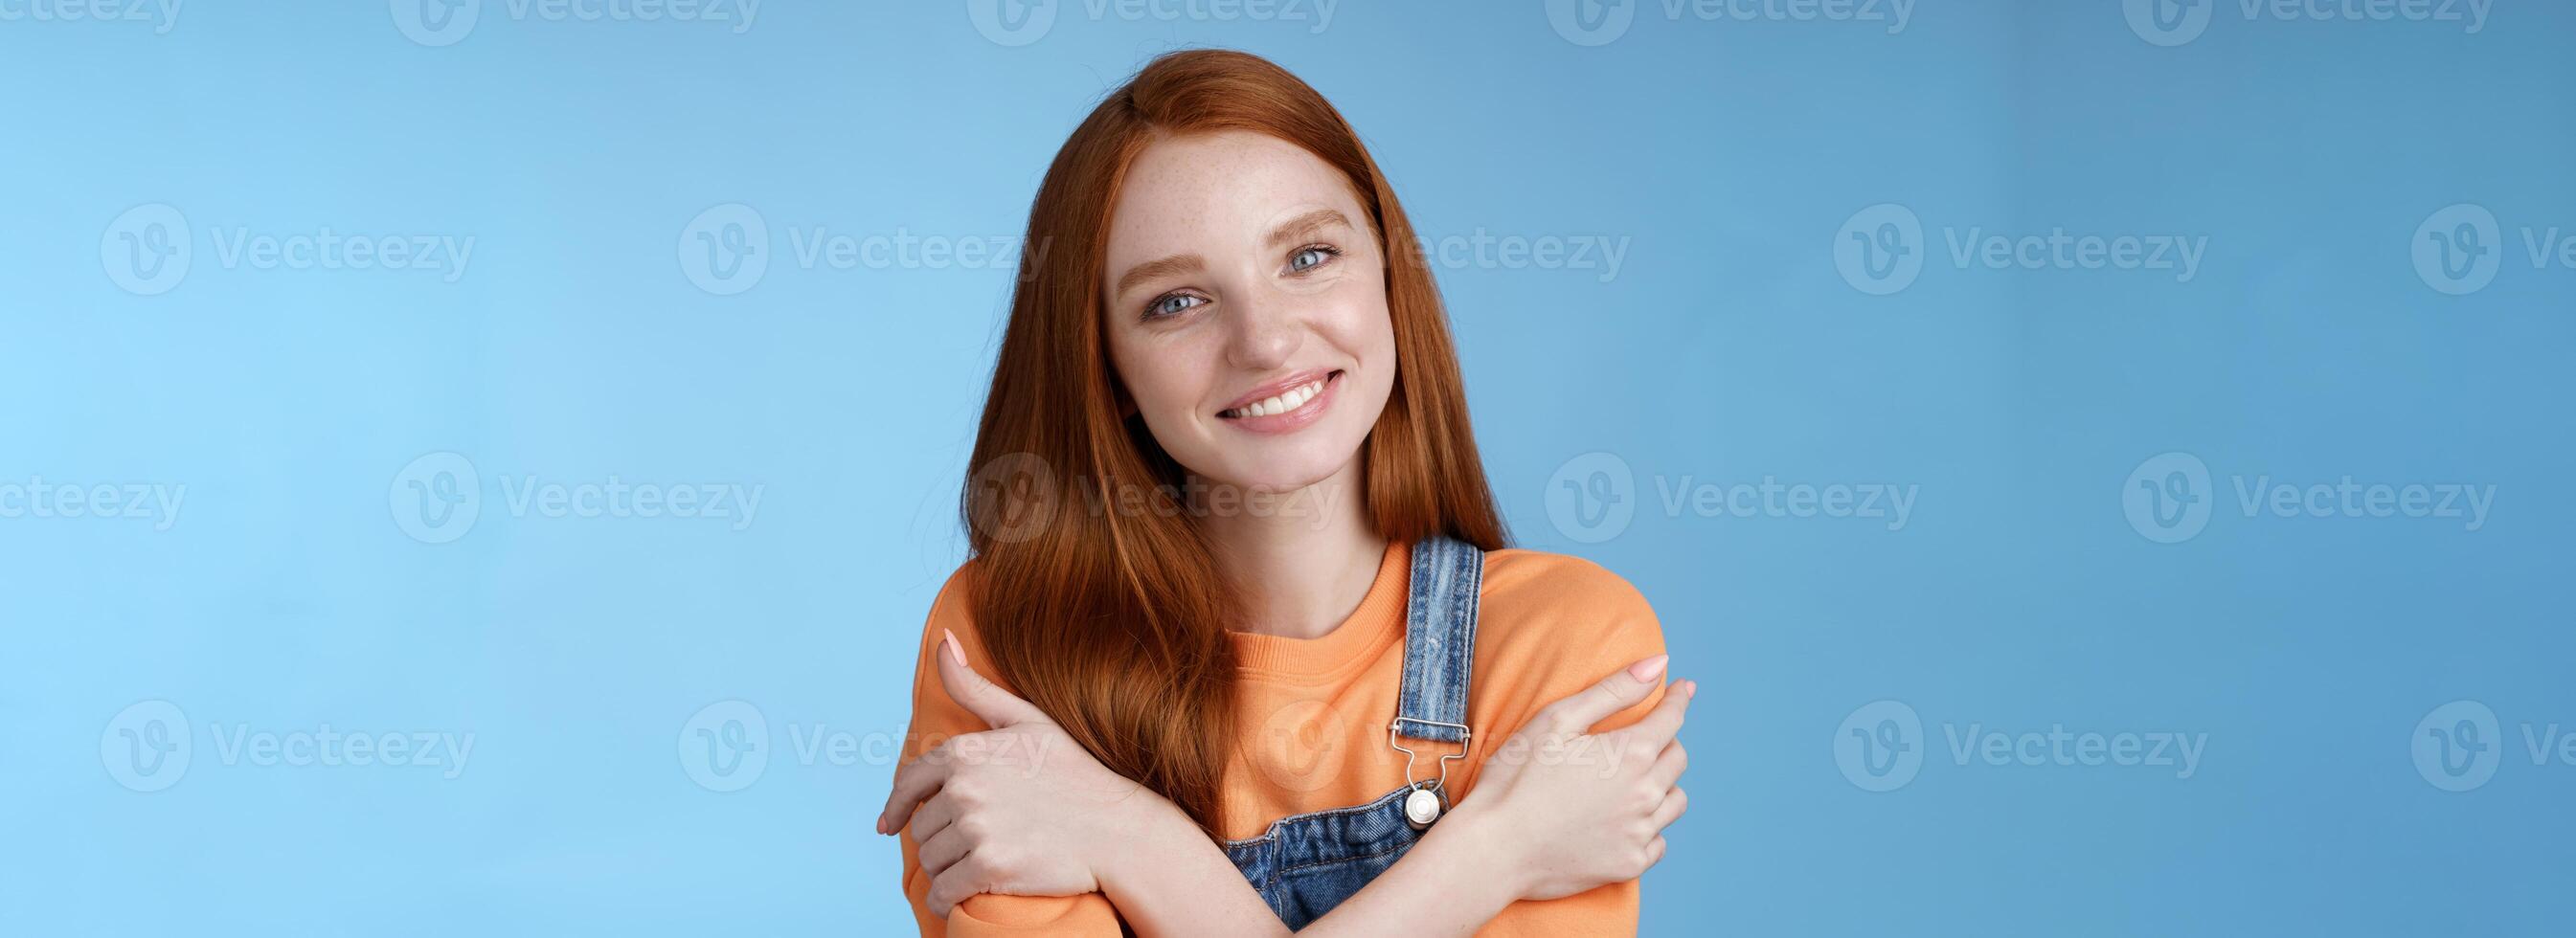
x,y
1147,833
1474,836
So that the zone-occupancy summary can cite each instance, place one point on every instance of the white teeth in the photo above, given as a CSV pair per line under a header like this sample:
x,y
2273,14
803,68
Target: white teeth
x,y
1292,399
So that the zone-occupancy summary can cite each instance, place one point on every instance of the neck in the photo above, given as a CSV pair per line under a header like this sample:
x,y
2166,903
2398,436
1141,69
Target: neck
x,y
1303,568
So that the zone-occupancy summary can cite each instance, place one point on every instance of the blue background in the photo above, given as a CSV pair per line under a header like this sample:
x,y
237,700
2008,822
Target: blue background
x,y
287,593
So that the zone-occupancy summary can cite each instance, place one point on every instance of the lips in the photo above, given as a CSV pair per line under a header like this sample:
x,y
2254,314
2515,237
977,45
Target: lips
x,y
1284,406
1281,396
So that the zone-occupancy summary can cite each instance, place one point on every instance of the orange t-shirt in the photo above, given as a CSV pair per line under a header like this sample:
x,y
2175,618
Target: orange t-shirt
x,y
1312,714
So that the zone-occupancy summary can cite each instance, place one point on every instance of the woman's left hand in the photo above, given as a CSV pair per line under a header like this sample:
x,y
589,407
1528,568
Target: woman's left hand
x,y
1018,810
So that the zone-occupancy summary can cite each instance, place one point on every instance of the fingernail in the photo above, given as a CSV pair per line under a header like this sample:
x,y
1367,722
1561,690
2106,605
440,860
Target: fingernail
x,y
1647,669
954,650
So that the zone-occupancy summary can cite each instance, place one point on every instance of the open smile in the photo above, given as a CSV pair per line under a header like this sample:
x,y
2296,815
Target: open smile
x,y
1284,405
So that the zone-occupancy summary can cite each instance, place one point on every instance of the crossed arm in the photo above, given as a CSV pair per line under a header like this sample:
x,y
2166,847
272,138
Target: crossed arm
x,y
1557,810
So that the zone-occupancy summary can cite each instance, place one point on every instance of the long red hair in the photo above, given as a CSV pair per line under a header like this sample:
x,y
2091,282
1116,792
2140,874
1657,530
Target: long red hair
x,y
1114,620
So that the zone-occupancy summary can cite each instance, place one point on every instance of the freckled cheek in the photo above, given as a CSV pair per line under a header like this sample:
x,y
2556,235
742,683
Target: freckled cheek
x,y
1360,328
1170,380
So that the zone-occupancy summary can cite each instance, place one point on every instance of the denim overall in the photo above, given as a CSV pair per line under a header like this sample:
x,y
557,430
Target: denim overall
x,y
1307,864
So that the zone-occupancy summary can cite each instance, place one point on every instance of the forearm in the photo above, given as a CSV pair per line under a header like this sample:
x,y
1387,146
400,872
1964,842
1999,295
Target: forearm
x,y
1178,881
1174,880
1458,878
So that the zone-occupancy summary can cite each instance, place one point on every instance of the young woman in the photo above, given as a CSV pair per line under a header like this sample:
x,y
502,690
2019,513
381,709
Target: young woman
x,y
1258,658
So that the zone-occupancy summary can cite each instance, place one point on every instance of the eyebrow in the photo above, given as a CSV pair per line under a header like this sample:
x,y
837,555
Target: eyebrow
x,y
1295,229
1149,270
1307,226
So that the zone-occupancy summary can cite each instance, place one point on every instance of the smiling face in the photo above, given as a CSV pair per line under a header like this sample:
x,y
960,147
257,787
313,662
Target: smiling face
x,y
1246,307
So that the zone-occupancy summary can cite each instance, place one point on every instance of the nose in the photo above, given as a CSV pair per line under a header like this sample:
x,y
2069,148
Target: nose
x,y
1266,329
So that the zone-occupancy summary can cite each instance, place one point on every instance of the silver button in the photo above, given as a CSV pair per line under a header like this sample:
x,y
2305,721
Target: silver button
x,y
1421,808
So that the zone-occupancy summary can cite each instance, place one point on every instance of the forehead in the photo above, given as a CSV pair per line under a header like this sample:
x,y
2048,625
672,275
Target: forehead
x,y
1212,191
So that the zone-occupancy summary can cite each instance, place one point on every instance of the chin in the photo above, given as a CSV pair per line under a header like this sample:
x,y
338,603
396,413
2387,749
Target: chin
x,y
1287,472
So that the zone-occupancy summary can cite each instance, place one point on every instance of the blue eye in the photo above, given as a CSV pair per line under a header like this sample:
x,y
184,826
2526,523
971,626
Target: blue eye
x,y
1171,304
1309,258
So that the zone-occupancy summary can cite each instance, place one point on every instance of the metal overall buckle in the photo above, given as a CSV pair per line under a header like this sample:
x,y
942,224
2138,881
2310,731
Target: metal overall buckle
x,y
1428,798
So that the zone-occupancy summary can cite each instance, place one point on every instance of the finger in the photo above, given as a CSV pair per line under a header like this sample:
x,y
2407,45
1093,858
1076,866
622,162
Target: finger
x,y
1578,711
916,780
996,707
943,851
934,815
1665,721
1655,851
1676,801
964,878
1668,767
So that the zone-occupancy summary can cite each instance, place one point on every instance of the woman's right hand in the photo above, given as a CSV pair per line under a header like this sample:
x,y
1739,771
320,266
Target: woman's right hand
x,y
1578,809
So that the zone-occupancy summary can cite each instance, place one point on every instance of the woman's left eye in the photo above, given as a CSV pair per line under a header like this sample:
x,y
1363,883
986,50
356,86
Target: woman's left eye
x,y
1309,258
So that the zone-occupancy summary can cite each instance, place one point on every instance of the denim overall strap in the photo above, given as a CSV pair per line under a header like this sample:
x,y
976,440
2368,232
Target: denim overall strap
x,y
1304,866
1439,640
